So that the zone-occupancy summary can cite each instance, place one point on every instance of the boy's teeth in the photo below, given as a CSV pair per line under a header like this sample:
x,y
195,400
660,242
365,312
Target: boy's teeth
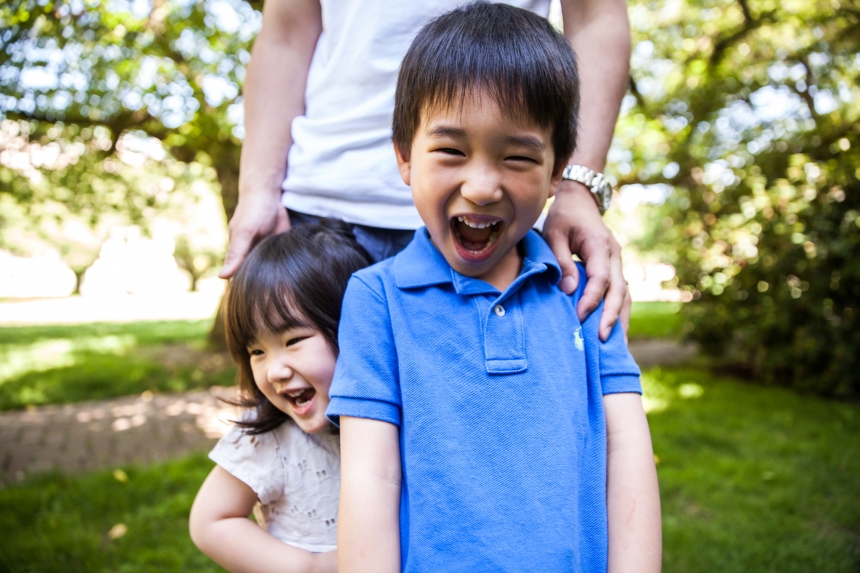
x,y
476,224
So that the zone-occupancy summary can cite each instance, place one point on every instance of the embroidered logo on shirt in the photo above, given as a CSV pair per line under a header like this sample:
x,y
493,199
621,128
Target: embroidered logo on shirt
x,y
577,339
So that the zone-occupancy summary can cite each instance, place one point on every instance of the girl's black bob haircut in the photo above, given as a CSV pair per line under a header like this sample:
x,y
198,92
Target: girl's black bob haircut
x,y
513,55
294,279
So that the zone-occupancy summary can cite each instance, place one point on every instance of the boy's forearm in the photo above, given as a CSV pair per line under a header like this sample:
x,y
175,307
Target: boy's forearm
x,y
368,535
633,497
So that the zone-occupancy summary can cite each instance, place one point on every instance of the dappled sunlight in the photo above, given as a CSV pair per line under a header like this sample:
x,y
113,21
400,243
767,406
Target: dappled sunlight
x,y
198,412
18,360
658,394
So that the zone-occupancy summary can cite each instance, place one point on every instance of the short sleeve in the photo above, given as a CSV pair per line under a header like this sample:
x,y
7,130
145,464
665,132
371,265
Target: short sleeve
x,y
365,383
253,459
618,370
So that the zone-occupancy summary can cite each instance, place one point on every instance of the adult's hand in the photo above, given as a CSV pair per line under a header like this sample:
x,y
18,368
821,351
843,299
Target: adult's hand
x,y
274,94
574,226
256,217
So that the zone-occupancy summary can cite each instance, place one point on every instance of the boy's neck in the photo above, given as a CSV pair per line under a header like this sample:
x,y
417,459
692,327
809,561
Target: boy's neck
x,y
506,271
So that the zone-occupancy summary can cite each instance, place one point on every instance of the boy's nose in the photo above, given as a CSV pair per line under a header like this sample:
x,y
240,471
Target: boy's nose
x,y
482,187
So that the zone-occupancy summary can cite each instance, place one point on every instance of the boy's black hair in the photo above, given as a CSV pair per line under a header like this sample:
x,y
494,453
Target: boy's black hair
x,y
512,54
289,280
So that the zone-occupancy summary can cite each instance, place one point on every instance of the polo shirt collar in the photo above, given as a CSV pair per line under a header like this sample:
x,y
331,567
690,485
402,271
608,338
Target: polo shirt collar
x,y
420,264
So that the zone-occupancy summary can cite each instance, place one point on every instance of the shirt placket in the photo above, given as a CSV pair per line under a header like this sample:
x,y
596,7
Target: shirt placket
x,y
504,337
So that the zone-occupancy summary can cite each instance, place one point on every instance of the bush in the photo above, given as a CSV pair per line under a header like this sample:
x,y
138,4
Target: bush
x,y
750,112
788,314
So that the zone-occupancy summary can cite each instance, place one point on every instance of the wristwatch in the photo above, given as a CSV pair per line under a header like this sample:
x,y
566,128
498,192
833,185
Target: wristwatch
x,y
596,183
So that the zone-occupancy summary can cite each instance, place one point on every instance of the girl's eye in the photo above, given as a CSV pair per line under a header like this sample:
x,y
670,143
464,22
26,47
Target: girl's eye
x,y
255,352
295,340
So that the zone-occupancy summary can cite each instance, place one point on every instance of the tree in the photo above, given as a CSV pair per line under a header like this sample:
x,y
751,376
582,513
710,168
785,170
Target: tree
x,y
749,111
84,76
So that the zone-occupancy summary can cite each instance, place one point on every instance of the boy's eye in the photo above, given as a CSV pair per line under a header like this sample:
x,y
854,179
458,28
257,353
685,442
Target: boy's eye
x,y
450,151
521,158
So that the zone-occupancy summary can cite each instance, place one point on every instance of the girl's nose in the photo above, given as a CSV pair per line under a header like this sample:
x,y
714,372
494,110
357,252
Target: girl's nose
x,y
279,372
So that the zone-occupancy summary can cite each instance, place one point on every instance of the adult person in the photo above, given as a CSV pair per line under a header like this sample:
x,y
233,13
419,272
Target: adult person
x,y
319,94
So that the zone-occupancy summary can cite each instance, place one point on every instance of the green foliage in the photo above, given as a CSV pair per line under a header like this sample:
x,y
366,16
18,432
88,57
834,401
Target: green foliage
x,y
67,364
95,92
750,110
753,478
60,524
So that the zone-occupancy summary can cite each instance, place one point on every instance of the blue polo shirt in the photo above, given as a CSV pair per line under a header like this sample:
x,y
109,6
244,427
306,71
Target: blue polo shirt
x,y
498,398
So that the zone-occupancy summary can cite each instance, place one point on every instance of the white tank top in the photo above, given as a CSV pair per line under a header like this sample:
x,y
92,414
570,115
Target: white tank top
x,y
341,163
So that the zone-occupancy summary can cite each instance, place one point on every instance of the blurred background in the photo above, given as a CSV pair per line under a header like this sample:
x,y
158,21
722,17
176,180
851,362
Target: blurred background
x,y
737,166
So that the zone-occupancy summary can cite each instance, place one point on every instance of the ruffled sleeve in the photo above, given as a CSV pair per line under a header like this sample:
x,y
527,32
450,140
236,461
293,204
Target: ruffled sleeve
x,y
253,459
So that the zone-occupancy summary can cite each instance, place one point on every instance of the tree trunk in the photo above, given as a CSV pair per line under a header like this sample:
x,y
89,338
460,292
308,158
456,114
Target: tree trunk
x,y
227,168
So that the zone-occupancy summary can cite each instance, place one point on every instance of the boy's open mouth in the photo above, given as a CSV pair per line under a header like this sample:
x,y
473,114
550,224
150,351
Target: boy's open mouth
x,y
475,237
301,397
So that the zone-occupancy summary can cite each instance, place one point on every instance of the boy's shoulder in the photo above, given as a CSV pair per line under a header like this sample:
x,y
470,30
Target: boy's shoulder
x,y
417,265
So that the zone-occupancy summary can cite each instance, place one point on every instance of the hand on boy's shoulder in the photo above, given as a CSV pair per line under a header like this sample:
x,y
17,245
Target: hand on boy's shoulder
x,y
574,226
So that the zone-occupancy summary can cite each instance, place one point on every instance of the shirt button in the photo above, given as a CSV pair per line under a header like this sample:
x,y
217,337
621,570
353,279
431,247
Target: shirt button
x,y
499,310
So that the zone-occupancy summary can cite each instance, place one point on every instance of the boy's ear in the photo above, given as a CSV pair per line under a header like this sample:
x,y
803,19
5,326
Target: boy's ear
x,y
403,164
555,180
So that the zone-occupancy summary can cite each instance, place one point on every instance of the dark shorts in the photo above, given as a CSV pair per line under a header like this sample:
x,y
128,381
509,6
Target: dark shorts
x,y
380,243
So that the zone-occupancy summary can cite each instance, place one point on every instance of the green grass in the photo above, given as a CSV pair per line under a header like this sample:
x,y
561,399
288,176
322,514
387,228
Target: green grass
x,y
655,320
753,479
60,524
65,364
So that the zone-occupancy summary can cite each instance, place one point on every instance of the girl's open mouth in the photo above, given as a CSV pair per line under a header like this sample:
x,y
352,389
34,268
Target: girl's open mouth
x,y
300,399
476,237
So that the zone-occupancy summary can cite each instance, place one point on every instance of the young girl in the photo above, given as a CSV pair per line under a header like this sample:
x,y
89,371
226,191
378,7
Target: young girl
x,y
281,319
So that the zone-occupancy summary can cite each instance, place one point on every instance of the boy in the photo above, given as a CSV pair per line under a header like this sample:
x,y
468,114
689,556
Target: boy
x,y
483,428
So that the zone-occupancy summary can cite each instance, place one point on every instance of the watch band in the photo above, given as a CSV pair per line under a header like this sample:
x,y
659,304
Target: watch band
x,y
596,183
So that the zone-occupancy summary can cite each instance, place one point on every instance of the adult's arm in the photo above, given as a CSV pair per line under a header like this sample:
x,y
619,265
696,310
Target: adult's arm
x,y
632,495
220,528
368,530
274,94
599,32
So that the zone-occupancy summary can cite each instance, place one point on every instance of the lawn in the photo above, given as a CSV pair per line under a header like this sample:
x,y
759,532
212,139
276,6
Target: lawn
x,y
65,364
655,320
753,479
